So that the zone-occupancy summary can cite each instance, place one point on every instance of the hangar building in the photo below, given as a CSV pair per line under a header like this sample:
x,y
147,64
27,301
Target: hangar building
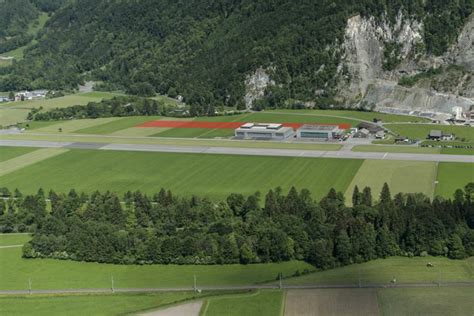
x,y
264,131
308,131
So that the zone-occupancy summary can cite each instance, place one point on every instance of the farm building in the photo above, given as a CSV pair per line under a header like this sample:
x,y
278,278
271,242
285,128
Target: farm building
x,y
439,135
319,131
372,128
264,131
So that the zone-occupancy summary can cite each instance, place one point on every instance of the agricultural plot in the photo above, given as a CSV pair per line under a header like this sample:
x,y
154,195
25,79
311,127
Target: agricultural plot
x,y
429,301
78,305
331,302
261,303
7,153
16,112
118,125
74,125
59,274
421,131
214,176
401,176
382,271
453,176
25,160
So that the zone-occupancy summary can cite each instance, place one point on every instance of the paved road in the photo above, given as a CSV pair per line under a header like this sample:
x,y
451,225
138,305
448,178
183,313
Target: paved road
x,y
241,151
242,288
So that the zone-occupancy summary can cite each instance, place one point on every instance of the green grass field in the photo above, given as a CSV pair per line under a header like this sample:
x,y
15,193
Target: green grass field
x,y
430,301
214,176
262,303
7,153
401,176
16,112
453,176
13,239
117,125
58,274
367,116
421,131
405,270
78,305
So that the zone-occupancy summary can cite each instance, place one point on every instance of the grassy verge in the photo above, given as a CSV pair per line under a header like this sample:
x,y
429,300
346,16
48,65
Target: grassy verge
x,y
452,176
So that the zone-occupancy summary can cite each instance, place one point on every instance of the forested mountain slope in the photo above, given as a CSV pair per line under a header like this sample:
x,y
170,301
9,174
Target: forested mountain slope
x,y
233,52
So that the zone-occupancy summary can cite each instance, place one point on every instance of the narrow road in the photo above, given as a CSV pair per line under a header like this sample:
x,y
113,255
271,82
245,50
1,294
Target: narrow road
x,y
241,288
345,154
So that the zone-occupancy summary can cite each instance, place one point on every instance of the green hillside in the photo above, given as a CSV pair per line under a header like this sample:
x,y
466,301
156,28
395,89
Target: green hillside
x,y
204,50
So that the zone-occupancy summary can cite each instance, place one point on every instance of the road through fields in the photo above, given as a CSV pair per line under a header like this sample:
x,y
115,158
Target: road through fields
x,y
241,151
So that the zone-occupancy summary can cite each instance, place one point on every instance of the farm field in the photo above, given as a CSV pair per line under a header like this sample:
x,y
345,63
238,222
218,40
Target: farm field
x,y
16,112
214,176
421,131
58,274
117,125
27,159
453,176
396,149
382,271
430,301
401,176
78,305
264,303
12,152
74,125
331,302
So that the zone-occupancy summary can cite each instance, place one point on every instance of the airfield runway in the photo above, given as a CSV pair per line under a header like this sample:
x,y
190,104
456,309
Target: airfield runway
x,y
241,151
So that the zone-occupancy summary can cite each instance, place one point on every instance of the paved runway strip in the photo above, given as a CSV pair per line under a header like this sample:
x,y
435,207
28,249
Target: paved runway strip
x,y
242,151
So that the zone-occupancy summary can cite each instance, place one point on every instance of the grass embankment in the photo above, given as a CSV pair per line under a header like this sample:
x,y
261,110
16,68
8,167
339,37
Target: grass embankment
x,y
396,149
453,176
430,301
382,271
214,176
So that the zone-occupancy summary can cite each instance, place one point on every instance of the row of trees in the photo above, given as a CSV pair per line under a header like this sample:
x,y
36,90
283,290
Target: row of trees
x,y
167,229
118,106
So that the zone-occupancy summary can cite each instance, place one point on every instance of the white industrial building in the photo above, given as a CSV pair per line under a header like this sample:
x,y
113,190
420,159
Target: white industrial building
x,y
309,131
264,131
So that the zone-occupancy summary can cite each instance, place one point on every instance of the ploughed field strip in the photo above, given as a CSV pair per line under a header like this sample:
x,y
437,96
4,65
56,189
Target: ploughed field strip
x,y
361,302
218,125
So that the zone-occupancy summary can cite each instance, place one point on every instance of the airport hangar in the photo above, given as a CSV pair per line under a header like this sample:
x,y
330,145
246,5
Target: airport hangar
x,y
273,131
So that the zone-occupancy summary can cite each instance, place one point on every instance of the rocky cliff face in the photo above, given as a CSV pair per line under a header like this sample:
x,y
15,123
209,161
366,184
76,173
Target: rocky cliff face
x,y
378,53
255,85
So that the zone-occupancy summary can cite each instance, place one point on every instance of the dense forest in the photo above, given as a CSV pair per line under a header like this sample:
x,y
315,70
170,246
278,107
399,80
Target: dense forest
x,y
17,17
115,107
163,228
204,50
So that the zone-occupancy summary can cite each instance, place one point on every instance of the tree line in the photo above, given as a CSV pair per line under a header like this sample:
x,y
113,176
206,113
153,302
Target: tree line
x,y
167,229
